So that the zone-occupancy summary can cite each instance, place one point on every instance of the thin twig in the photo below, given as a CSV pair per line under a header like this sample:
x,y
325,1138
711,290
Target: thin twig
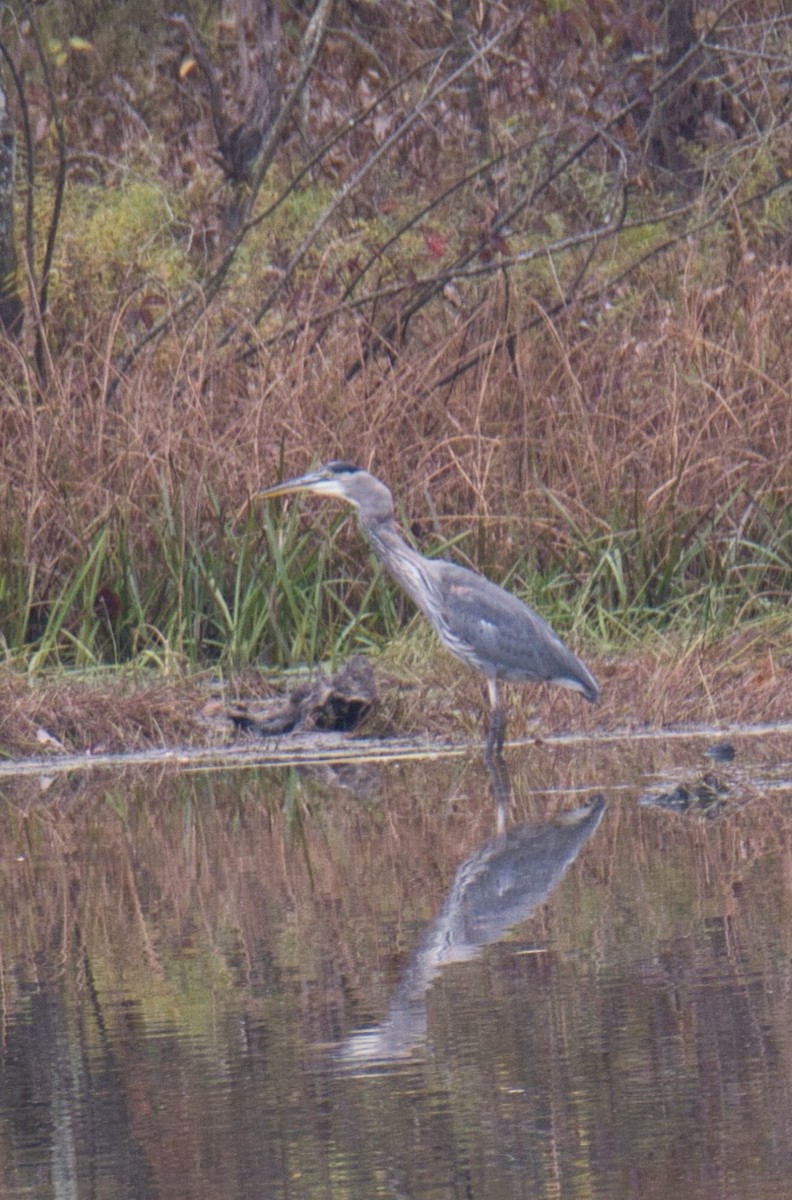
x,y
60,190
354,182
398,323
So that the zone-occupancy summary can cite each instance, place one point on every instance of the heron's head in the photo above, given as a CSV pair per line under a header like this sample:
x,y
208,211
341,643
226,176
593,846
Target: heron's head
x,y
352,484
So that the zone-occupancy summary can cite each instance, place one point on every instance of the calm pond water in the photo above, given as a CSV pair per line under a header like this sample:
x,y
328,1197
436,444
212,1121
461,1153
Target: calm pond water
x,y
345,982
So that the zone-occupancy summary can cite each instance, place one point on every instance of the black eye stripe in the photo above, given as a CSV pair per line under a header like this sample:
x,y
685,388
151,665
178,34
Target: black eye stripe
x,y
341,468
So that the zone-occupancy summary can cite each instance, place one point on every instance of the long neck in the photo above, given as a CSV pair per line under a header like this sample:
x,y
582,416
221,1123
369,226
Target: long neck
x,y
409,568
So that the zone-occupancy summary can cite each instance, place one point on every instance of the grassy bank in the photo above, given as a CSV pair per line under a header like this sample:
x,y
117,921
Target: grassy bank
x,y
661,550
422,690
629,481
569,361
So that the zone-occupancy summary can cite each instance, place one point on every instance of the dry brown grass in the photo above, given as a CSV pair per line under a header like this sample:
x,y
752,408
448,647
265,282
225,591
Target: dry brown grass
x,y
674,410
662,418
745,679
621,445
52,716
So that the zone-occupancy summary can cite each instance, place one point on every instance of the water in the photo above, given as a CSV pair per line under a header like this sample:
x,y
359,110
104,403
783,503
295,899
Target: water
x,y
340,980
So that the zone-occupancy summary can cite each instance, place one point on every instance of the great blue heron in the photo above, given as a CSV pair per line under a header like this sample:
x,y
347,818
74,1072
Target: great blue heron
x,y
481,623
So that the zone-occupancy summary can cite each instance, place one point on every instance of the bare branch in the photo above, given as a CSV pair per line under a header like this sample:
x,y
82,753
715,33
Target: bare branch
x,y
41,300
309,51
504,219
201,55
355,180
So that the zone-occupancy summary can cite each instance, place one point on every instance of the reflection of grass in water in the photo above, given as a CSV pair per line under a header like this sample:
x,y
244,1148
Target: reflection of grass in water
x,y
198,963
177,924
181,889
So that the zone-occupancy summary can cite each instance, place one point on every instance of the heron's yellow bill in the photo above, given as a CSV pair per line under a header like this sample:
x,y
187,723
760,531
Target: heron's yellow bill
x,y
301,483
325,481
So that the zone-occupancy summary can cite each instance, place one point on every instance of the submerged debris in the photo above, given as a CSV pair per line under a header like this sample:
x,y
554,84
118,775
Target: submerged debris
x,y
704,798
337,702
721,752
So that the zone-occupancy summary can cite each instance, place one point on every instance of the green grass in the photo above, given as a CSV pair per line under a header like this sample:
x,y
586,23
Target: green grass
x,y
277,590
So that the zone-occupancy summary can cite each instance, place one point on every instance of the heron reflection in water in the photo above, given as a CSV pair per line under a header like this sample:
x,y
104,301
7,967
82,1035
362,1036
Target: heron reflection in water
x,y
499,885
478,621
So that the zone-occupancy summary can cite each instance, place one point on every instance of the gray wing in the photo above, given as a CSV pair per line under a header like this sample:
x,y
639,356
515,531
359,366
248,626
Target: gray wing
x,y
494,631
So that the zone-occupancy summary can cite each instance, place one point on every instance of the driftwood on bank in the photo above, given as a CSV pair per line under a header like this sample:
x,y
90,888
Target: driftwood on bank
x,y
337,702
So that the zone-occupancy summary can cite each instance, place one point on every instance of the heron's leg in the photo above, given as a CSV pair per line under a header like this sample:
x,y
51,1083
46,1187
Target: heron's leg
x,y
501,786
495,734
493,756
497,724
